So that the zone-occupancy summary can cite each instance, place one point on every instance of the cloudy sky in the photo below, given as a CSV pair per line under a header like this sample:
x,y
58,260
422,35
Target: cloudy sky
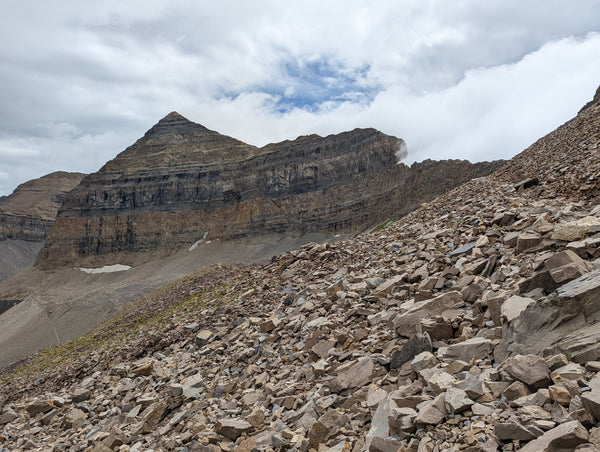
x,y
80,80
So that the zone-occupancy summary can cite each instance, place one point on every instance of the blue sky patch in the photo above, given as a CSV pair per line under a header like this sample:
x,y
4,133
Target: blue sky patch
x,y
311,84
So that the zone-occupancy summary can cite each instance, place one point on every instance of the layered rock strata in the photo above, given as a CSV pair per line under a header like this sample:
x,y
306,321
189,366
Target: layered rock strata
x,y
182,182
26,218
29,212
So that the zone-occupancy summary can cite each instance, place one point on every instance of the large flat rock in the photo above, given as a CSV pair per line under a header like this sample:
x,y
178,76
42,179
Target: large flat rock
x,y
582,294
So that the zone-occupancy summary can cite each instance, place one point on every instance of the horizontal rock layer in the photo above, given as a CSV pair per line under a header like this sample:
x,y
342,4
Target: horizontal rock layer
x,y
182,181
29,212
24,227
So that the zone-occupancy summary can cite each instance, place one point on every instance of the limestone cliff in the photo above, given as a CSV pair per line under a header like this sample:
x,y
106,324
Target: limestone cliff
x,y
26,217
182,181
29,212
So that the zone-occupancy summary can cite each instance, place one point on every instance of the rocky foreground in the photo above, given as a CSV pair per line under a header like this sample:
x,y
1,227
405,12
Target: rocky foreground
x,y
469,325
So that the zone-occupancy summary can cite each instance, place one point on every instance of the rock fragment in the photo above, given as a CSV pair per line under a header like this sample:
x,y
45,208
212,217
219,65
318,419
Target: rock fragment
x,y
530,369
566,436
417,344
353,375
203,337
232,428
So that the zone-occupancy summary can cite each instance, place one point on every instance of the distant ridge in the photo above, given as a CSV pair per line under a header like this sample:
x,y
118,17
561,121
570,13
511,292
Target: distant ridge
x,y
27,216
182,180
29,212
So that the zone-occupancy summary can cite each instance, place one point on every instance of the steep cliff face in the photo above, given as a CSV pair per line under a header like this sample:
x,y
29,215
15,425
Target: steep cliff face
x,y
26,217
29,212
182,181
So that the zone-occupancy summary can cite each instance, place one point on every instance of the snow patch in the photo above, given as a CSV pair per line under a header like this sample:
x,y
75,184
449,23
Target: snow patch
x,y
106,269
198,242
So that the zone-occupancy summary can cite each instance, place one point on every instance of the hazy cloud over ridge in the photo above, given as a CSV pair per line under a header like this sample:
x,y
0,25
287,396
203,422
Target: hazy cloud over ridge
x,y
80,81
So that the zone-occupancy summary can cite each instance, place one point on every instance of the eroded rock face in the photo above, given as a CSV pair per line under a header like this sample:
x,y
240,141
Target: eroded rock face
x,y
29,212
26,218
181,181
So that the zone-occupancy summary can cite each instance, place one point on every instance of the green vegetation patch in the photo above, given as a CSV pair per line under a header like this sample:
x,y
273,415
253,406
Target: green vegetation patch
x,y
383,225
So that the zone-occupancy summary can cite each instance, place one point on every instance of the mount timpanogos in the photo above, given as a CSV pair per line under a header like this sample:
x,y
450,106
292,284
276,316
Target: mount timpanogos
x,y
181,182
471,323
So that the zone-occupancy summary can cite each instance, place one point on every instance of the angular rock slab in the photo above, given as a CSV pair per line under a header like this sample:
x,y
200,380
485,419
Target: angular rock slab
x,y
581,295
327,426
406,323
39,406
513,307
203,337
507,431
576,230
380,427
591,402
433,412
566,266
457,401
476,347
565,325
527,240
232,428
354,375
565,437
530,369
581,346
417,344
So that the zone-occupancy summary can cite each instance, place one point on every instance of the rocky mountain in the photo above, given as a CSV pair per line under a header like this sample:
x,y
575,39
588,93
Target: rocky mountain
x,y
29,212
27,216
182,183
470,324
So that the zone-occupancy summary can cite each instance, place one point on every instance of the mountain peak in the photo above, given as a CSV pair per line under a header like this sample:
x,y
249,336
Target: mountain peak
x,y
174,116
175,124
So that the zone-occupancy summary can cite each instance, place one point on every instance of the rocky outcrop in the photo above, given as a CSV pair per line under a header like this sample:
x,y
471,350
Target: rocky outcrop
x,y
29,212
27,216
182,182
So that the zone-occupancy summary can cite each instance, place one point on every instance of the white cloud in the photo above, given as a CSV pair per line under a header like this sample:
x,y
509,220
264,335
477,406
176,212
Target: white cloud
x,y
491,113
464,79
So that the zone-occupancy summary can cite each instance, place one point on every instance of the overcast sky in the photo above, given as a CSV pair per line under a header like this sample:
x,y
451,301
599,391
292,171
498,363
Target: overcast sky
x,y
81,80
